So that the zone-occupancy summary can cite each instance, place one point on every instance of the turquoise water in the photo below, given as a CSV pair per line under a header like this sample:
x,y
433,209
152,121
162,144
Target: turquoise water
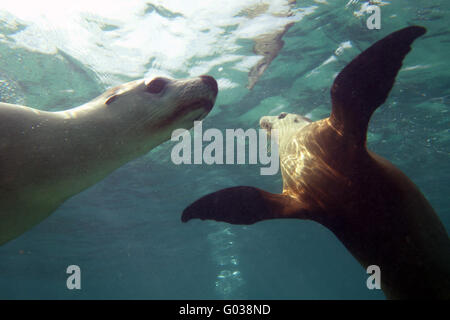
x,y
125,232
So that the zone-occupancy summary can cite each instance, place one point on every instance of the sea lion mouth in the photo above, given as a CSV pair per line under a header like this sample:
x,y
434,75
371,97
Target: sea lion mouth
x,y
199,108
205,104
191,111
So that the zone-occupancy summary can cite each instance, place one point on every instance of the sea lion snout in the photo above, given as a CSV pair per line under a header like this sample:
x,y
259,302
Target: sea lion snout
x,y
265,123
203,98
210,82
283,120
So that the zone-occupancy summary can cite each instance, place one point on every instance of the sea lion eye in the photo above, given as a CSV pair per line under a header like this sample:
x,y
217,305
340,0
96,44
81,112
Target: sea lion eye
x,y
282,115
156,85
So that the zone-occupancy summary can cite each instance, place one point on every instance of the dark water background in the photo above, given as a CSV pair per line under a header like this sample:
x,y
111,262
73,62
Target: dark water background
x,y
125,232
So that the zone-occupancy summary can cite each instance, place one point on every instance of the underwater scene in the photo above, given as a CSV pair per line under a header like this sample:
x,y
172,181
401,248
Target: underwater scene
x,y
121,224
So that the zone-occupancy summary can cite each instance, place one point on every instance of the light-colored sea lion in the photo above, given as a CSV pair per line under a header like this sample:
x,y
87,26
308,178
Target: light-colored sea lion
x,y
330,177
47,157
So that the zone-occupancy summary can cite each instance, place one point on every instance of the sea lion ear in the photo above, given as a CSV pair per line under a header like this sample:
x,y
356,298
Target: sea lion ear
x,y
243,205
364,84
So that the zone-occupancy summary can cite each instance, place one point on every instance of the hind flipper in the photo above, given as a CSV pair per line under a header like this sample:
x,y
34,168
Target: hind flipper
x,y
364,84
244,205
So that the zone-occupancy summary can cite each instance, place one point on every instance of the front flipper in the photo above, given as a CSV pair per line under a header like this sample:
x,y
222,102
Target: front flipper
x,y
364,84
244,205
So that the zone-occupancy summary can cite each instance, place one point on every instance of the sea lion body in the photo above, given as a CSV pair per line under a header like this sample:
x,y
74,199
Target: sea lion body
x,y
330,176
364,200
47,157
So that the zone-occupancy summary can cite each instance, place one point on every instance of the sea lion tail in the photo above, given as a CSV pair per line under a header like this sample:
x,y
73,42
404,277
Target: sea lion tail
x,y
364,84
243,205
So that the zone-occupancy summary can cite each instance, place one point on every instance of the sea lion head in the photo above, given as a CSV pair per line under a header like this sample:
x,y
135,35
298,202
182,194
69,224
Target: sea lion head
x,y
283,123
160,105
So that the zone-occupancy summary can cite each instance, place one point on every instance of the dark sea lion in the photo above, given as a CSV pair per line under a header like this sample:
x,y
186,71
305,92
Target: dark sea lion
x,y
47,157
330,177
267,45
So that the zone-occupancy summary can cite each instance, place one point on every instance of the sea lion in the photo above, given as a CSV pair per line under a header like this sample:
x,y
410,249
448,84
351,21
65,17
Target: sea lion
x,y
47,157
267,45
329,176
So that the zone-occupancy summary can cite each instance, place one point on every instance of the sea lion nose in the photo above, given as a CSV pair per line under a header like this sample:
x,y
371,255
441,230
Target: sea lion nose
x,y
265,124
210,82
